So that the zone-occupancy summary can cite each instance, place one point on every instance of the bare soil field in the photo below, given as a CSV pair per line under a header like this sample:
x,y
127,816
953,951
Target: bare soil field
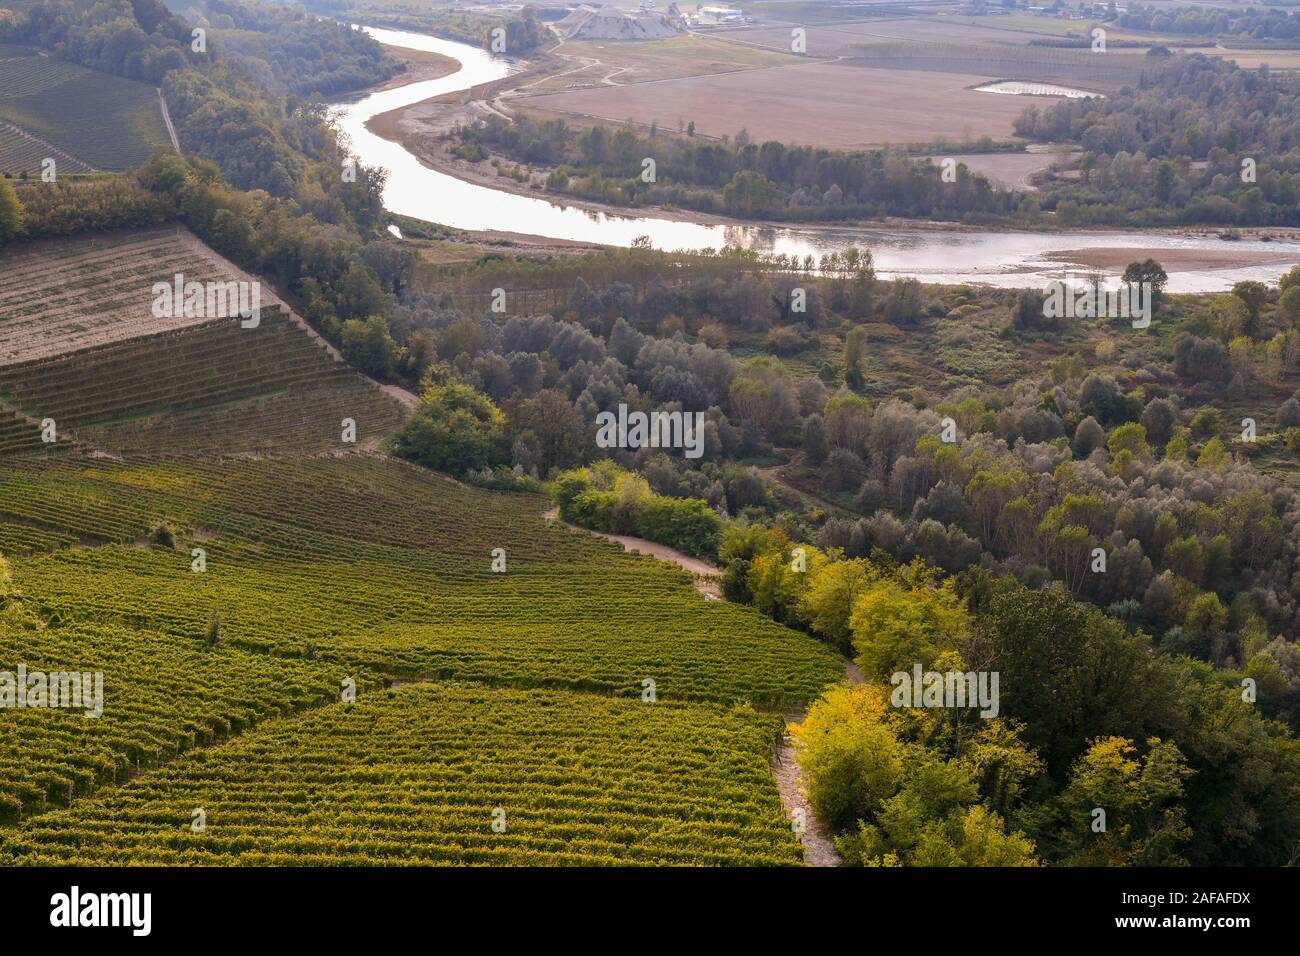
x,y
818,103
676,57
1012,170
1253,59
63,295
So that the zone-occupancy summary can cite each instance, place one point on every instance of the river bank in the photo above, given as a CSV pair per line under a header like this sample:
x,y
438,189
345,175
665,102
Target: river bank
x,y
421,129
400,128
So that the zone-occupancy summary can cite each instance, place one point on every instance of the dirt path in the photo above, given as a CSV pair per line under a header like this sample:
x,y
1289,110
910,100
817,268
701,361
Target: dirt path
x,y
774,473
167,118
706,574
818,846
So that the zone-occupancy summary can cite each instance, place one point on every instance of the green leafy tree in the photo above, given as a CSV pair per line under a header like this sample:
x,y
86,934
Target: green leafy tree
x,y
855,357
369,346
13,218
1130,437
851,760
1145,821
827,603
896,625
454,428
1148,270
1253,296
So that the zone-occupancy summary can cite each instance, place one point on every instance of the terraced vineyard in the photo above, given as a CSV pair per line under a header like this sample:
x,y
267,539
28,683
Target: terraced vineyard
x,y
59,297
413,776
211,387
613,714
381,566
102,120
162,695
119,379
20,152
21,434
364,566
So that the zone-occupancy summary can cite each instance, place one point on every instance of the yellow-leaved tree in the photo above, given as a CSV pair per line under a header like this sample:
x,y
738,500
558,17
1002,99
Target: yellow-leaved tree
x,y
899,623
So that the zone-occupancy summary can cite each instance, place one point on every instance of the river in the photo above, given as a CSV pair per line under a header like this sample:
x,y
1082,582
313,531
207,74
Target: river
x,y
1006,259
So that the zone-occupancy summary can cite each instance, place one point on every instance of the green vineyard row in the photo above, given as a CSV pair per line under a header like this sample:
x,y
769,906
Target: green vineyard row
x,y
438,774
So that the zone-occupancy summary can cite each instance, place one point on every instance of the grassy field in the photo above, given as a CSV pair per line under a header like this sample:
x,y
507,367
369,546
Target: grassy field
x,y
103,121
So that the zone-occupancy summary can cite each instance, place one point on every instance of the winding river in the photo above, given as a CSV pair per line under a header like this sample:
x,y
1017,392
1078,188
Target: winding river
x,y
1006,259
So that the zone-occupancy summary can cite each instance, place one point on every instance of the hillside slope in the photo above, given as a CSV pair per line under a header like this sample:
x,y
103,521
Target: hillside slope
x,y
81,344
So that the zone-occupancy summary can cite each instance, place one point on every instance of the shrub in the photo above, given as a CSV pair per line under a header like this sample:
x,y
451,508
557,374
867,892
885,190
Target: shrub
x,y
455,429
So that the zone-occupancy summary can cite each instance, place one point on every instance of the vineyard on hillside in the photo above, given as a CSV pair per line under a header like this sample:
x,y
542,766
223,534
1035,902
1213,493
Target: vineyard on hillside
x,y
202,537
163,695
59,297
380,566
320,568
420,775
204,388
20,152
102,120
80,344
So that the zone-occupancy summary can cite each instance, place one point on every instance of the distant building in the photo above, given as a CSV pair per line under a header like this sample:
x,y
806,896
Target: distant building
x,y
718,15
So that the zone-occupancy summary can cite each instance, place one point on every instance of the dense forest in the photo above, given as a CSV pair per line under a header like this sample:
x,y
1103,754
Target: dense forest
x,y
307,55
1136,461
1183,766
1197,141
1255,23
741,178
